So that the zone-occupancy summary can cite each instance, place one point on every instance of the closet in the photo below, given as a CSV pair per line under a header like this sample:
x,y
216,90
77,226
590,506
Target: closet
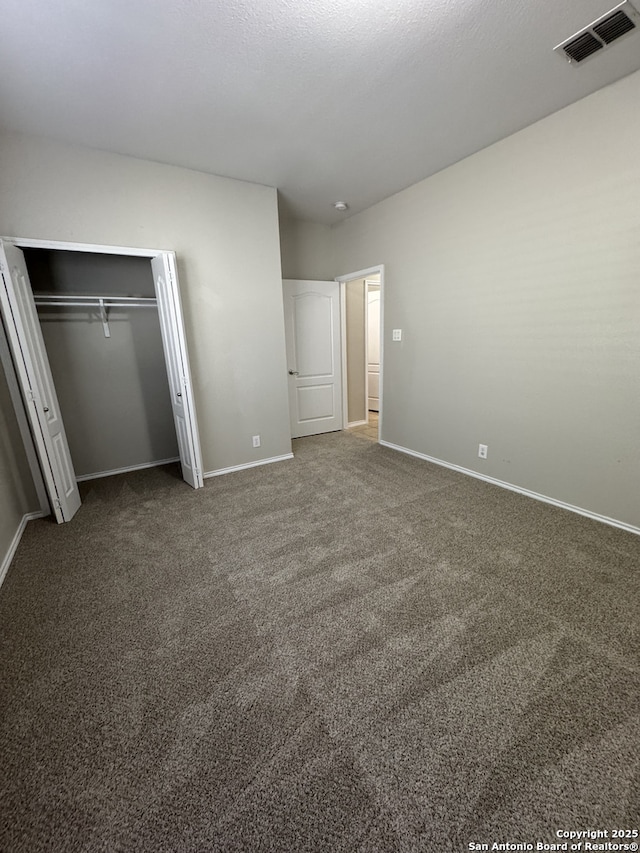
x,y
99,358
101,330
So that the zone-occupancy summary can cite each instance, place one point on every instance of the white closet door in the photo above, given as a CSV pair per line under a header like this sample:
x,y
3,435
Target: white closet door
x,y
34,374
175,353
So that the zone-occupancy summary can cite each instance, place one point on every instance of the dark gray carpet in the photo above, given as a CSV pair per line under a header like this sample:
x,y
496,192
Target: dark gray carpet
x,y
351,651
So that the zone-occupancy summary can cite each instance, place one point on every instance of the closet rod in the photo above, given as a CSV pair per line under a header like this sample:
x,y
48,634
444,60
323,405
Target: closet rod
x,y
95,301
99,302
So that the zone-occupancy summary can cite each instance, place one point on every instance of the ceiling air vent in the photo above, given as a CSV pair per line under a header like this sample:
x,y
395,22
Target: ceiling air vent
x,y
620,21
579,48
613,27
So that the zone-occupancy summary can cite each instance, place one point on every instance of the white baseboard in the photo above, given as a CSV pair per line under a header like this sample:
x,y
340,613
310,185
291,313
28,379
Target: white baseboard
x,y
8,557
356,423
504,485
99,474
220,471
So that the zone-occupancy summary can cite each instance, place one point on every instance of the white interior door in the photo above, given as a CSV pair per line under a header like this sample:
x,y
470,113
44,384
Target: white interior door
x,y
175,352
36,383
373,350
312,331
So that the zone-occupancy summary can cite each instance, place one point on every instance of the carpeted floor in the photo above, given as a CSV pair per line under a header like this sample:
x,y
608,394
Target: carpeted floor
x,y
351,651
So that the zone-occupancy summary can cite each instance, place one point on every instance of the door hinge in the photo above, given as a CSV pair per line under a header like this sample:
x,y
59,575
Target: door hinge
x,y
57,504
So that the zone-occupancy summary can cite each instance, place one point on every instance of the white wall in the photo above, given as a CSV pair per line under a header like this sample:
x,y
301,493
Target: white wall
x,y
226,237
307,250
515,276
17,493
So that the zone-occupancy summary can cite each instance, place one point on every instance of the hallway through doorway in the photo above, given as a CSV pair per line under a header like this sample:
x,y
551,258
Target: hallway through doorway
x,y
368,430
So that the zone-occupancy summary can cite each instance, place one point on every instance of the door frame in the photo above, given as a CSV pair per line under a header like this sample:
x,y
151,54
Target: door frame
x,y
342,280
131,251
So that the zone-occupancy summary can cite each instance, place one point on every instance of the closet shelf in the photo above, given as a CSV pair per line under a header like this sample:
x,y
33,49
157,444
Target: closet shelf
x,y
102,303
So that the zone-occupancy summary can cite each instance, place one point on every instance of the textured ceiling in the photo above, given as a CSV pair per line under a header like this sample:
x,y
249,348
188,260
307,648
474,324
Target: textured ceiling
x,y
323,99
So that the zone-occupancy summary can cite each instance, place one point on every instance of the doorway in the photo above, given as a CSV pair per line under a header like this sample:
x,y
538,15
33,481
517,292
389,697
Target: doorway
x,y
85,303
334,352
362,302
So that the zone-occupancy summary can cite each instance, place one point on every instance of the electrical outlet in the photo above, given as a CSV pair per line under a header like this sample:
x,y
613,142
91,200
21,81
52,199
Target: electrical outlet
x,y
483,449
256,441
396,335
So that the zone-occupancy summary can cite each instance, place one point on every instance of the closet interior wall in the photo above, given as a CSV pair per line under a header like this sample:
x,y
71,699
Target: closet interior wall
x,y
113,391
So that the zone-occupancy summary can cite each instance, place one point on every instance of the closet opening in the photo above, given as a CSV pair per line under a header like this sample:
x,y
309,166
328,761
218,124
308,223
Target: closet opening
x,y
98,345
99,321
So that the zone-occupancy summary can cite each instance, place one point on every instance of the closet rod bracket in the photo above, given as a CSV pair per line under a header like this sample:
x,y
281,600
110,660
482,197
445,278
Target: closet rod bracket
x,y
104,318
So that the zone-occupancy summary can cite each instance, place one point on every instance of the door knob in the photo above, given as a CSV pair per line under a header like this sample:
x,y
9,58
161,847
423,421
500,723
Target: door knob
x,y
178,393
293,373
46,408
